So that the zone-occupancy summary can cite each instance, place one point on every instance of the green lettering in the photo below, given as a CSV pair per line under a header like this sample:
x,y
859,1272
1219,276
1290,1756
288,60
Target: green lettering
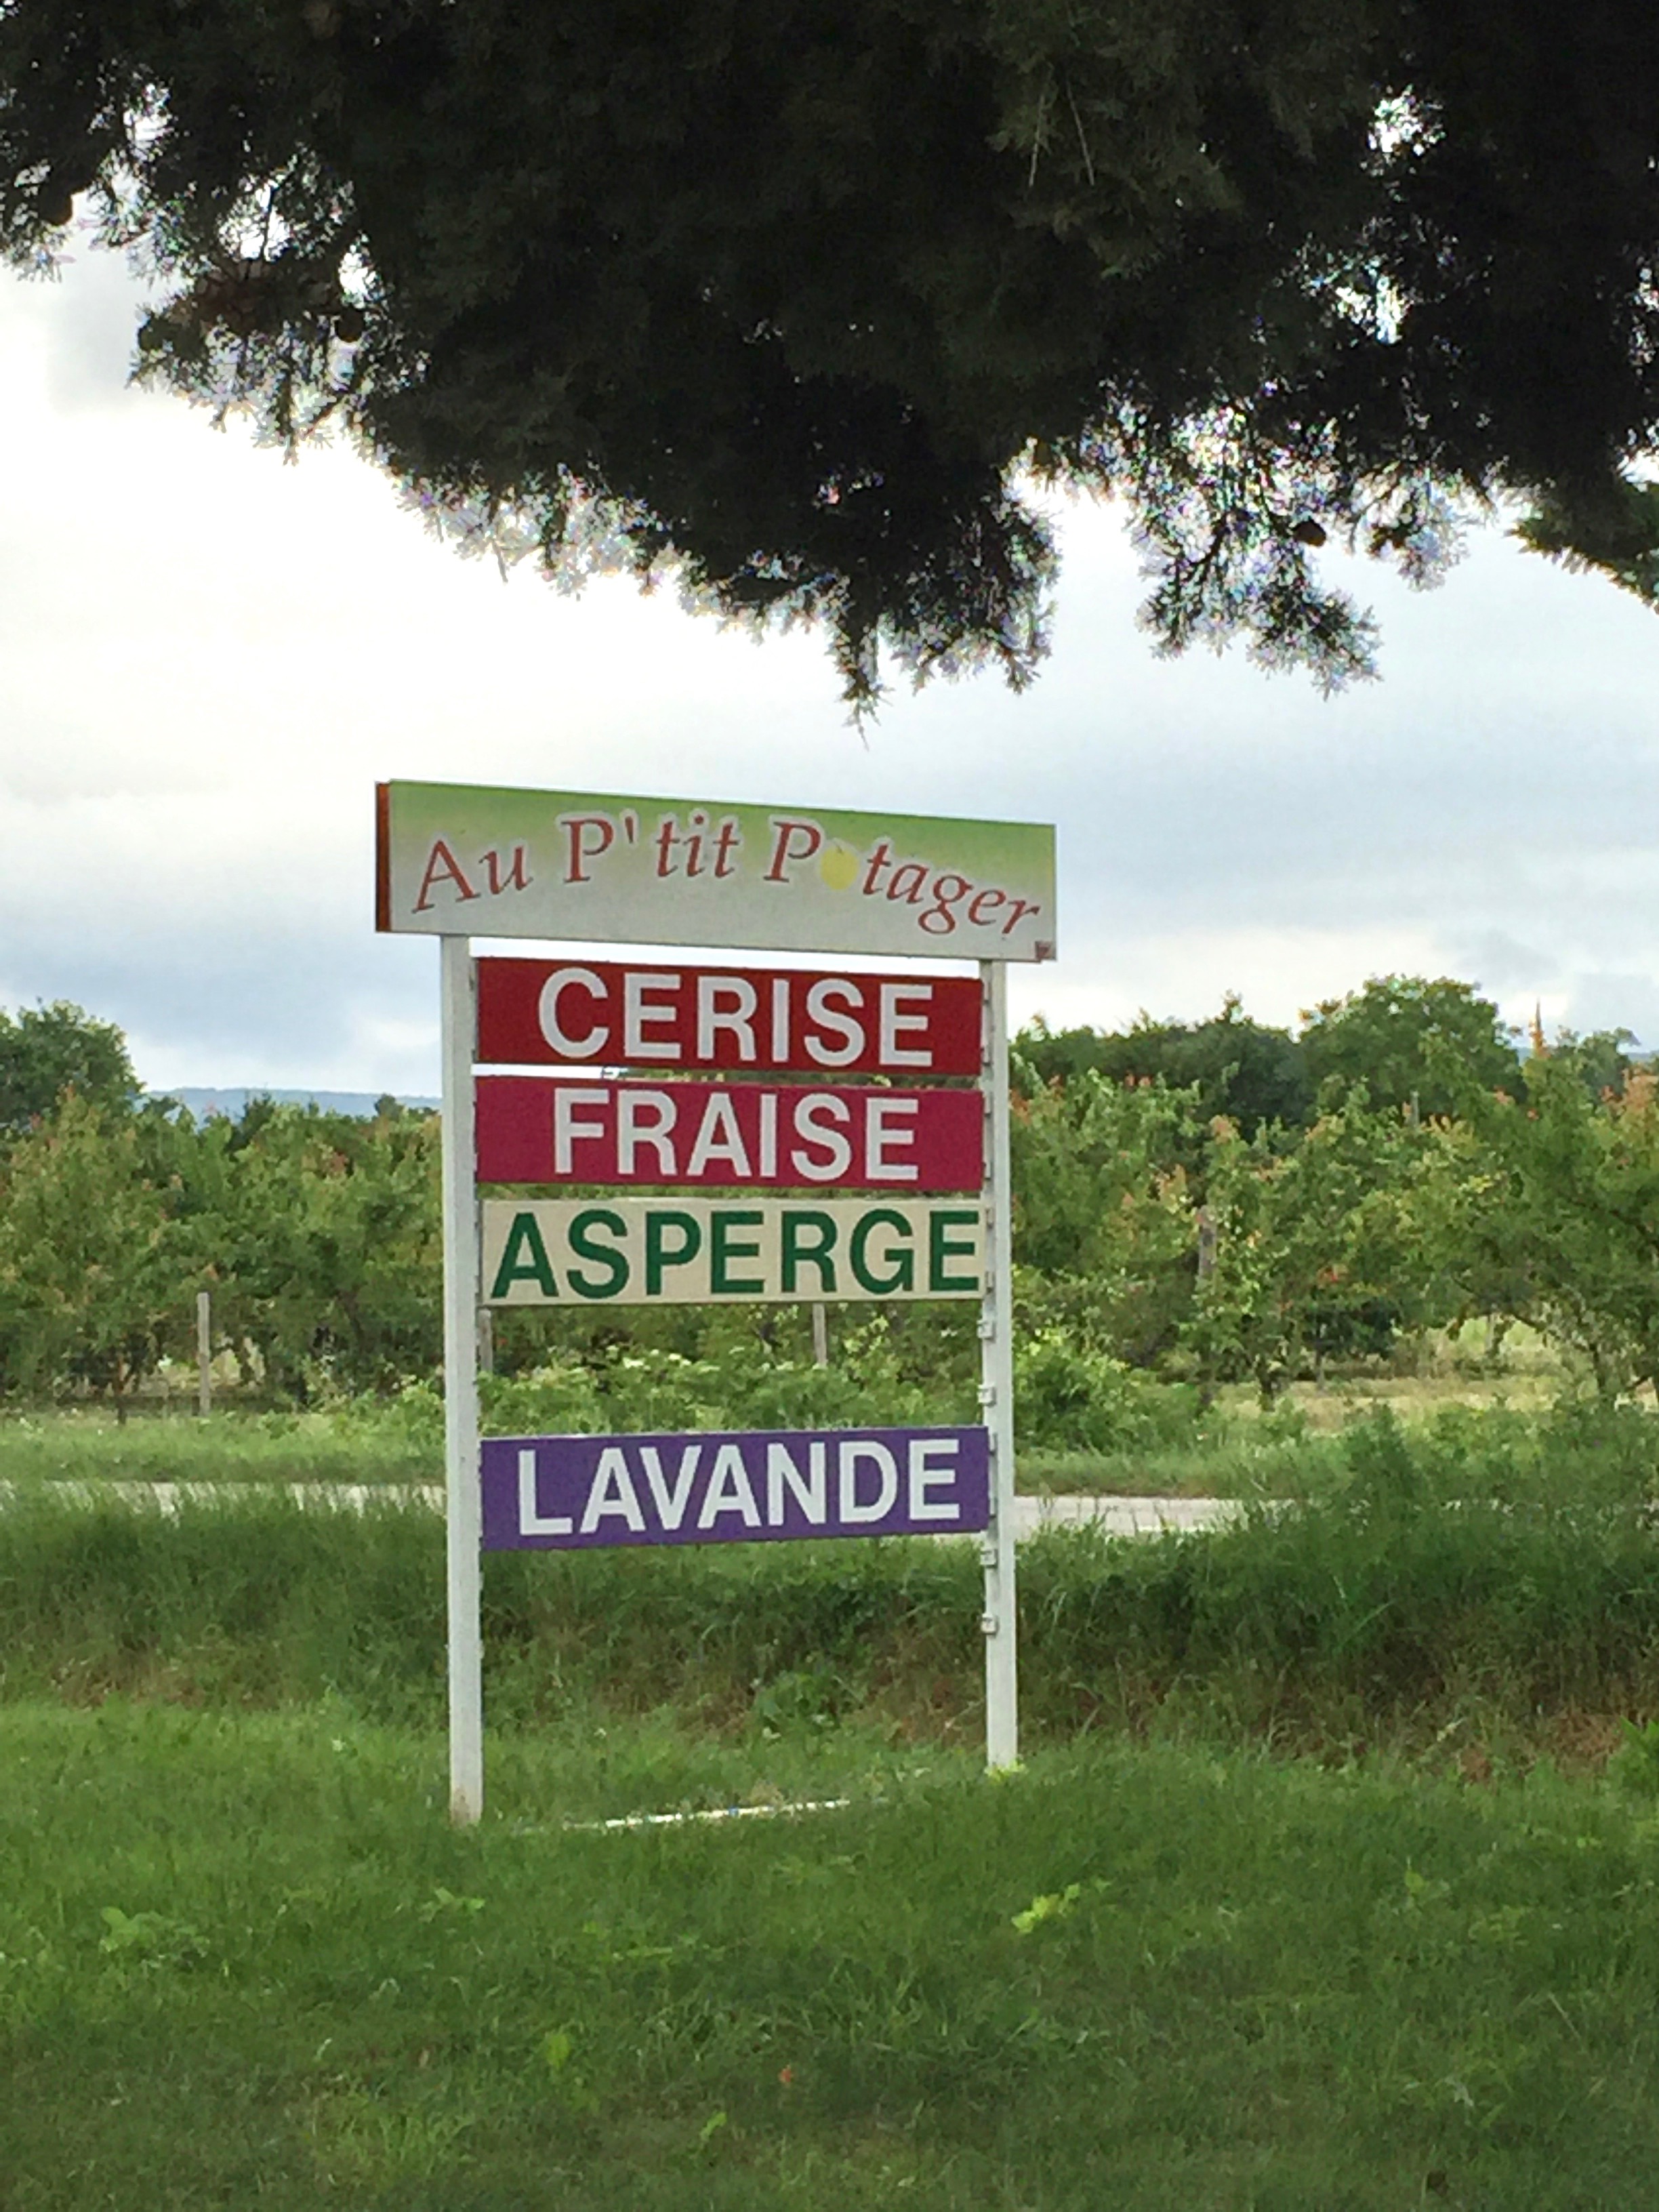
x,y
904,1272
943,1247
723,1249
524,1260
614,1262
659,1256
793,1254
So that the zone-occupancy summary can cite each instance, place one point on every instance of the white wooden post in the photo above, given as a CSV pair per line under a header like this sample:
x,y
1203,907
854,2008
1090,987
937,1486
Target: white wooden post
x,y
459,1003
1001,1622
820,1334
203,1352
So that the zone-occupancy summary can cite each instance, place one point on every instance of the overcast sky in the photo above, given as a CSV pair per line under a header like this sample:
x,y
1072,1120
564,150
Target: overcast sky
x,y
207,658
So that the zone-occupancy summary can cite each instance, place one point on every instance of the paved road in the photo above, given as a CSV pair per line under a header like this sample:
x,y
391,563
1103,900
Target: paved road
x,y
1116,1517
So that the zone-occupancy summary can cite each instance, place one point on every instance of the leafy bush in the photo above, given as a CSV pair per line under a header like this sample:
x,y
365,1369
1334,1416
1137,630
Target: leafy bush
x,y
1069,1399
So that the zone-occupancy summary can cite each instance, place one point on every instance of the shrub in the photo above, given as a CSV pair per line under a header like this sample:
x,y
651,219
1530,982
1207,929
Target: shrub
x,y
1069,1399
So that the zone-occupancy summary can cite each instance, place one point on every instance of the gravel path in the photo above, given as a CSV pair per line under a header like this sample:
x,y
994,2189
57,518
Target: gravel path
x,y
1116,1517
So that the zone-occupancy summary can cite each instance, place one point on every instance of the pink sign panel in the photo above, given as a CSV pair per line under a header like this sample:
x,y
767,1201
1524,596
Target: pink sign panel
x,y
540,1129
603,1013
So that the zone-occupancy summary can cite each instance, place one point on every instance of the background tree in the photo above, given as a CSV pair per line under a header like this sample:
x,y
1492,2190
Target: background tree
x,y
1412,1043
1600,1059
47,1050
1236,1068
793,295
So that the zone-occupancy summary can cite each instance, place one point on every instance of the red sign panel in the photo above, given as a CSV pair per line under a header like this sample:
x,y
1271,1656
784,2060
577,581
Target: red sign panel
x,y
531,1129
533,1014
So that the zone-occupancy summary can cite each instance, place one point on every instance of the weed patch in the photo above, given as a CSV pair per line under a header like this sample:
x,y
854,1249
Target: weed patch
x,y
1495,1624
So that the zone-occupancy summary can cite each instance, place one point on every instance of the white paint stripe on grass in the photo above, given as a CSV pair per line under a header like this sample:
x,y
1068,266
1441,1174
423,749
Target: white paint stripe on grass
x,y
635,1820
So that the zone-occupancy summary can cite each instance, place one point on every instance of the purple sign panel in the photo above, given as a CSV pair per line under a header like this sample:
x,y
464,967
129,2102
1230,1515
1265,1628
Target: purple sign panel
x,y
562,1493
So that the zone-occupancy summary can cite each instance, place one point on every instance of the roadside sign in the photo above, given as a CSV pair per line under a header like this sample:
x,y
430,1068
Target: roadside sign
x,y
733,1487
469,860
538,1129
674,1251
534,1014
580,870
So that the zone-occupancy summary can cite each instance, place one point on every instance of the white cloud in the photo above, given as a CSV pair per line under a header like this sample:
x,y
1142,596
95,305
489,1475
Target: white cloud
x,y
207,658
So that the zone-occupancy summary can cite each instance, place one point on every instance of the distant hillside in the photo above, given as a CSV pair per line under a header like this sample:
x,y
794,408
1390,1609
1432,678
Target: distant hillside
x,y
231,1102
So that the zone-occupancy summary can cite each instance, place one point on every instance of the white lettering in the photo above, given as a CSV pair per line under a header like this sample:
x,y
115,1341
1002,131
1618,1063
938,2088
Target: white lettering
x,y
881,1138
612,1494
729,1491
819,1010
644,1118
779,1020
532,1522
893,1053
720,1139
812,1494
641,1010
568,1130
671,1505
850,1451
736,1018
809,1124
547,1012
769,1136
924,1476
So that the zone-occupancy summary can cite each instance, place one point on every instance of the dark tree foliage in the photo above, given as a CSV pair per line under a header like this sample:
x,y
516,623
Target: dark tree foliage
x,y
1412,1042
1253,1075
786,297
1599,1058
47,1050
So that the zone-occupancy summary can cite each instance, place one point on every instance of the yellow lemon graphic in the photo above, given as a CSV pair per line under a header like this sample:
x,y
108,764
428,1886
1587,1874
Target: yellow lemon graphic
x,y
839,868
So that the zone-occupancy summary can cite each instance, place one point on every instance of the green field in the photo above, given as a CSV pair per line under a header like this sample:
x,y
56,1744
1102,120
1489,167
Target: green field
x,y
247,1962
1329,1884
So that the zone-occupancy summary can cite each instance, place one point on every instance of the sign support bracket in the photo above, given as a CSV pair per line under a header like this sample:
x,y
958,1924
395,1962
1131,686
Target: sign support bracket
x,y
1000,1621
458,999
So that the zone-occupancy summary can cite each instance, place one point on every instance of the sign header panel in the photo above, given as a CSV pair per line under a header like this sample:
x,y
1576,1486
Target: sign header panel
x,y
565,1493
699,1251
537,1014
463,860
538,1128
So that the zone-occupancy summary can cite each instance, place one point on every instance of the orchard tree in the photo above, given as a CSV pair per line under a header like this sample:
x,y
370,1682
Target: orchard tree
x,y
796,299
1105,1234
1560,1217
323,1236
1313,1254
95,1282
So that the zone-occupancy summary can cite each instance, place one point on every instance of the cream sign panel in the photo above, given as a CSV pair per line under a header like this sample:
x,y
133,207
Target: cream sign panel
x,y
633,1251
462,859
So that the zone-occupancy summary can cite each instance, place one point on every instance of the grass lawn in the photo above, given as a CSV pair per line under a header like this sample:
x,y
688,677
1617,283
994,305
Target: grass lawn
x,y
88,1444
244,1961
